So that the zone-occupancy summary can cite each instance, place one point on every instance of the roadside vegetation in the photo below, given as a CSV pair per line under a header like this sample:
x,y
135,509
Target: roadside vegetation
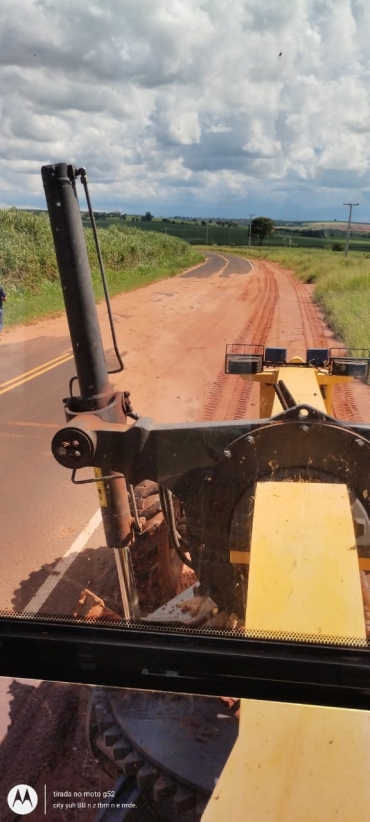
x,y
29,274
342,286
134,258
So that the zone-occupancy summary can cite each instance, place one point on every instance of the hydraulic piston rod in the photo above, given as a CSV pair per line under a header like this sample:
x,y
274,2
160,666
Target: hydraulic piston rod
x,y
97,394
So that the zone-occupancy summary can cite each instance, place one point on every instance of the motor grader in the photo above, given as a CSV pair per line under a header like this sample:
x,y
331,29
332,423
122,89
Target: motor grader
x,y
270,517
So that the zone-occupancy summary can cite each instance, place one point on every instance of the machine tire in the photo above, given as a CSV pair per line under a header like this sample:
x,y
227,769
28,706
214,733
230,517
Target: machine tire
x,y
157,567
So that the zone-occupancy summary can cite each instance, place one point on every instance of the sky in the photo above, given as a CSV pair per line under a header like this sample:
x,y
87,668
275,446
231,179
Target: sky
x,y
184,107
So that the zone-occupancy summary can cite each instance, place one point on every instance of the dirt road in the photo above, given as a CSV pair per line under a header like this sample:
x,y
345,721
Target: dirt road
x,y
175,367
173,335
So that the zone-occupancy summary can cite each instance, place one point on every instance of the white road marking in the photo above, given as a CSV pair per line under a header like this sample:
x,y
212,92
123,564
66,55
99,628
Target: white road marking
x,y
36,603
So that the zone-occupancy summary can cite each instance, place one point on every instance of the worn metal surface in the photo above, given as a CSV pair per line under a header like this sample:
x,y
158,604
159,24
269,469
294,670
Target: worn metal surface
x,y
296,763
210,471
95,390
301,384
74,269
174,747
187,737
303,577
304,561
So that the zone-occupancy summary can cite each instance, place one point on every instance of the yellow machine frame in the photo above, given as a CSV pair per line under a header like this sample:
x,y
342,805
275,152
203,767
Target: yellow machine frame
x,y
299,763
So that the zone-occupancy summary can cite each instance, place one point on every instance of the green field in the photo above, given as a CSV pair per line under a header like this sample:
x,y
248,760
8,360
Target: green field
x,y
238,235
28,269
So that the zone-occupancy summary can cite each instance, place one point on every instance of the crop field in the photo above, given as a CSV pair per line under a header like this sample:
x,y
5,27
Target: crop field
x,y
28,269
334,225
342,286
236,236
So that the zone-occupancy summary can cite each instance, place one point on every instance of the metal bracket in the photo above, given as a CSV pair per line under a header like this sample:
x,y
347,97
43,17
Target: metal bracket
x,y
96,479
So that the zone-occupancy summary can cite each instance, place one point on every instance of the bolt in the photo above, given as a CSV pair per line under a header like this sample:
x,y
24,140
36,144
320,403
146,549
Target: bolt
x,y
77,454
250,439
304,428
360,443
214,611
61,451
208,477
227,454
66,444
75,443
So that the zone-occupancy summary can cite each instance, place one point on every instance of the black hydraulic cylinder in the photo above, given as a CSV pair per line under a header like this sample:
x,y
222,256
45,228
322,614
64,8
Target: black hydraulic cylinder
x,y
96,392
65,219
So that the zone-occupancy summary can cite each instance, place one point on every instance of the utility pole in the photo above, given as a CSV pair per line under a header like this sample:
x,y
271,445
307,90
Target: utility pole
x,y
349,225
250,229
207,235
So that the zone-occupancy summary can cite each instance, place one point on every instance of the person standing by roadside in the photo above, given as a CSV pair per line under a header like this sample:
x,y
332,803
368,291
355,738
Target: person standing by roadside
x,y
2,300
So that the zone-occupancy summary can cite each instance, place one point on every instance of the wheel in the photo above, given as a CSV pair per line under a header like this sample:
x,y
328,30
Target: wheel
x,y
157,567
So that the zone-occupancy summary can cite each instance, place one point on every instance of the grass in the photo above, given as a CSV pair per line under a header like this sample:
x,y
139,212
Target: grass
x,y
29,274
133,258
342,286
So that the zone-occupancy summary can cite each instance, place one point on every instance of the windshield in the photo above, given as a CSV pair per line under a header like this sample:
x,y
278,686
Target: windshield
x,y
208,220
184,372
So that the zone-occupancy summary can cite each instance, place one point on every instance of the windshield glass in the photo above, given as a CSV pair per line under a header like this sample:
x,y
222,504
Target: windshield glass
x,y
220,480
184,410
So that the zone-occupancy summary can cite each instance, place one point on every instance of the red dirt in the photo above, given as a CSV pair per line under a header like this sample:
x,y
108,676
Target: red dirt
x,y
175,333
176,370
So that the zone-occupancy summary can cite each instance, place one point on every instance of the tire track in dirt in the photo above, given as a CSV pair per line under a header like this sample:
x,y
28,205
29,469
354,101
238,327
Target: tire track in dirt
x,y
228,398
315,335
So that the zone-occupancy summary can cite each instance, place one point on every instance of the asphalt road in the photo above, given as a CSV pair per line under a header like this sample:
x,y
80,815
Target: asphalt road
x,y
43,515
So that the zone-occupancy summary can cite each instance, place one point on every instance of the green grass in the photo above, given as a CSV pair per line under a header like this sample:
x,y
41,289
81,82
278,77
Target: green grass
x,y
29,274
342,286
134,257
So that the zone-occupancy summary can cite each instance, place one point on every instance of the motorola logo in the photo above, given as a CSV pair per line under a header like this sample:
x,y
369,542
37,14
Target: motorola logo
x,y
22,799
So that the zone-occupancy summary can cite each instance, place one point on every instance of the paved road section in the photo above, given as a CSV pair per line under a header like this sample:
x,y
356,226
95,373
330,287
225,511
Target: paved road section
x,y
232,265
44,515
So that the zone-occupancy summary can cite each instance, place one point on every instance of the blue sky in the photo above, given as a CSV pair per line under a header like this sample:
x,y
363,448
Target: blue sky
x,y
185,107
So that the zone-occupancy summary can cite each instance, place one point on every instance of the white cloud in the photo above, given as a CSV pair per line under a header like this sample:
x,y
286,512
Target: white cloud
x,y
179,105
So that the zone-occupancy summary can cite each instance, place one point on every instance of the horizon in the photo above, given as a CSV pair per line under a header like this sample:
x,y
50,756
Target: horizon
x,y
195,217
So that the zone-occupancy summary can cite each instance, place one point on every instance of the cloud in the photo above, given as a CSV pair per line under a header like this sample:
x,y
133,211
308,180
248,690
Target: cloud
x,y
179,105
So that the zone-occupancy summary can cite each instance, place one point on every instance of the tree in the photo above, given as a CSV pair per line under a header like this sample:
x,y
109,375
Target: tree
x,y
147,216
313,232
261,228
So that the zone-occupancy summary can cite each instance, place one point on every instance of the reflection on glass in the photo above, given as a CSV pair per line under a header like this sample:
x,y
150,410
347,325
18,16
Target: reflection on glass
x,y
259,524
87,753
220,482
